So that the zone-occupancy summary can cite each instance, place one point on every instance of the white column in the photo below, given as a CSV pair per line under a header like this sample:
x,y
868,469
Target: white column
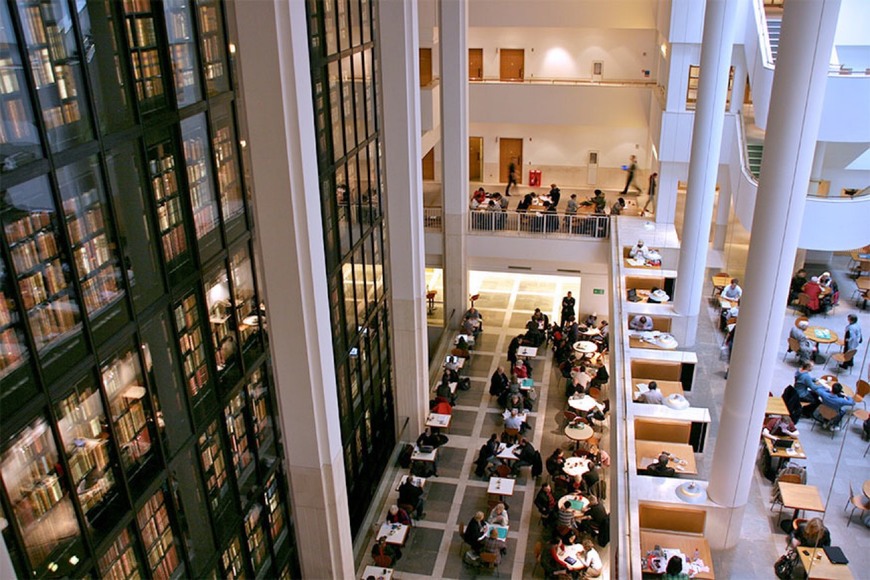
x,y
792,129
273,48
723,212
399,46
818,166
666,193
719,26
739,87
454,152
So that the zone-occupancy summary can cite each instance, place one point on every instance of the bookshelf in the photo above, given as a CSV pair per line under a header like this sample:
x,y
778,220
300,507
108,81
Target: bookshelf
x,y
232,560
144,56
18,136
248,313
122,379
234,415
200,189
157,537
120,561
87,224
226,161
222,322
274,505
190,343
83,430
163,177
40,265
212,46
256,538
55,62
258,394
182,51
37,493
13,350
211,455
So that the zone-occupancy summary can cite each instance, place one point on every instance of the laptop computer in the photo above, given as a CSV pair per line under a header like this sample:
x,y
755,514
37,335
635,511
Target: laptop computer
x,y
836,555
632,295
783,443
426,449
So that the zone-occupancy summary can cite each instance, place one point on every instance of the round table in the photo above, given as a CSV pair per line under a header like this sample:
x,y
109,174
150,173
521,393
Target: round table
x,y
585,347
579,432
578,466
585,403
590,332
810,333
574,497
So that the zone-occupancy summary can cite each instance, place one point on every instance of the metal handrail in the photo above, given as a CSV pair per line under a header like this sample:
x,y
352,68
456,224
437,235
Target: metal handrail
x,y
567,81
538,224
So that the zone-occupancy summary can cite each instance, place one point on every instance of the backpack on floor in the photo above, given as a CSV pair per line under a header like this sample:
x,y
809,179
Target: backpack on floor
x,y
405,456
464,384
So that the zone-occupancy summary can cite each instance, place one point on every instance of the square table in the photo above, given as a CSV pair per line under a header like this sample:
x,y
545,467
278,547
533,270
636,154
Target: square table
x,y
822,567
506,452
666,388
396,533
458,361
685,543
439,420
584,404
500,486
526,384
427,457
418,481
378,572
776,406
502,531
529,351
647,452
800,497
469,339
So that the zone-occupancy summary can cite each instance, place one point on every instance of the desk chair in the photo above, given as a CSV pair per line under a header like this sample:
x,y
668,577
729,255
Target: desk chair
x,y
793,346
510,435
827,415
802,304
858,502
490,561
539,548
777,496
862,389
842,358
383,561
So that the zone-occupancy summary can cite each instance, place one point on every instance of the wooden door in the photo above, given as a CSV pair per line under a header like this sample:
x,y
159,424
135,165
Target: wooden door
x,y
475,158
425,66
511,64
510,150
429,166
475,64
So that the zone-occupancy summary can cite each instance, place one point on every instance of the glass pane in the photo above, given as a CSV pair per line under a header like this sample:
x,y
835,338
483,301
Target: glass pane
x,y
335,112
330,27
249,313
355,36
223,324
103,57
214,467
343,36
257,546
347,104
227,163
88,224
182,51
120,561
158,538
56,64
147,70
87,445
42,270
163,176
365,8
13,349
196,154
259,397
122,379
19,142
240,451
39,498
190,343
211,31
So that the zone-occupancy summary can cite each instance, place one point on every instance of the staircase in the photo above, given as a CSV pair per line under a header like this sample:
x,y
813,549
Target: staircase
x,y
774,26
753,153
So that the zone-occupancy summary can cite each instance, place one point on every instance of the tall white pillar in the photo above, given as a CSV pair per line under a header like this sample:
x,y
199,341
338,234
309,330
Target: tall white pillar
x,y
818,165
738,88
723,212
273,48
454,153
792,128
720,20
399,46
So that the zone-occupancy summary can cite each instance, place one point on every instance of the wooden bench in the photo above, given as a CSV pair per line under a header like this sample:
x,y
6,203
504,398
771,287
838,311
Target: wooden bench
x,y
656,370
668,430
671,518
644,282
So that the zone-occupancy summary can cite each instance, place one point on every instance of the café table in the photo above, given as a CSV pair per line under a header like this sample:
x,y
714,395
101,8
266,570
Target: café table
x,y
727,303
685,543
584,403
828,381
584,331
776,406
500,486
821,335
652,339
666,388
579,432
576,502
819,567
396,534
779,454
527,351
417,455
585,347
506,452
682,456
469,339
575,466
418,481
438,420
575,552
800,497
378,573
526,384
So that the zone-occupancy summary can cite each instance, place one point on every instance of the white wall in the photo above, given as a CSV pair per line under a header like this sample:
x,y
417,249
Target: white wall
x,y
568,53
853,24
550,13
687,21
681,57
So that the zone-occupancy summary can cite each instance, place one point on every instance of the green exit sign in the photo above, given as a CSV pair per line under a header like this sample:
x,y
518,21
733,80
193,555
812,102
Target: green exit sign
x,y
598,290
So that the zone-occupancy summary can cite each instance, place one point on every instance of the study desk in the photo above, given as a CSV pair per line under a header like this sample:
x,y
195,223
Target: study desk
x,y
666,388
719,282
527,351
778,455
682,455
685,543
500,486
417,455
652,339
776,406
378,573
799,497
822,567
438,420
396,534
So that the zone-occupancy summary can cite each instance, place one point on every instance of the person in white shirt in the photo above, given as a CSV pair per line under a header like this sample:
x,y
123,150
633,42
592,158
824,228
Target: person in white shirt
x,y
641,323
639,251
653,396
732,291
591,560
498,516
514,421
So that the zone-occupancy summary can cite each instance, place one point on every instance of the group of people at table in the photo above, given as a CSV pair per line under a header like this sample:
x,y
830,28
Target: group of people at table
x,y
822,292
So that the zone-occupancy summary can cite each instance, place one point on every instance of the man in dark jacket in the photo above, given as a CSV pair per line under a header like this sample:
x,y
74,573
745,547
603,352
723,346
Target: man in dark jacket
x,y
474,531
412,494
499,382
526,454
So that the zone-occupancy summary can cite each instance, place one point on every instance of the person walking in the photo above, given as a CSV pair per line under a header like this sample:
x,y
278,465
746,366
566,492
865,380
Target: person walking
x,y
632,171
653,182
851,339
512,177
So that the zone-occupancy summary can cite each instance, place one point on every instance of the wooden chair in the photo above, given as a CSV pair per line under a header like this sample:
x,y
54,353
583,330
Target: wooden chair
x,y
503,470
842,358
383,561
793,346
462,539
490,561
862,389
510,435
802,304
827,414
718,289
858,502
595,393
539,548
800,319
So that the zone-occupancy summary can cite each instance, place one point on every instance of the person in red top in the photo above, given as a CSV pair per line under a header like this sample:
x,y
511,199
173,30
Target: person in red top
x,y
813,289
520,370
397,515
442,407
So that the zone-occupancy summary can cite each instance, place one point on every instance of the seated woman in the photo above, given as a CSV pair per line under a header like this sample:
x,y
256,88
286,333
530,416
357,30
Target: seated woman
x,y
556,462
499,515
397,515
427,437
382,548
520,370
474,531
810,533
814,291
591,560
674,570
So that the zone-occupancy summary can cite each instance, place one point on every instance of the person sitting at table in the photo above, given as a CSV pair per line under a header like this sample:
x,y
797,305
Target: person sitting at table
x,y
599,201
499,382
493,545
517,401
832,297
641,323
814,291
462,348
797,285
499,515
810,533
397,515
479,196
441,406
412,494
573,205
591,320
617,207
514,421
556,462
571,330
807,349
581,379
653,396
442,391
526,455
732,291
550,561
603,337
427,437
591,560
834,399
804,383
474,532
777,426
487,458
382,548
639,251
473,322
520,370
674,570
597,516
660,467
601,377
546,502
565,517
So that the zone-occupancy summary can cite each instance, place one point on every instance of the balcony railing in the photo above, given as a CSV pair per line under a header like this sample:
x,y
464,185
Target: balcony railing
x,y
432,220
539,224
